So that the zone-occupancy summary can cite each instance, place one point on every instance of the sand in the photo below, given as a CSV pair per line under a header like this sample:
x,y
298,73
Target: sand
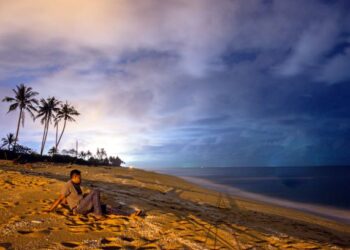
x,y
177,214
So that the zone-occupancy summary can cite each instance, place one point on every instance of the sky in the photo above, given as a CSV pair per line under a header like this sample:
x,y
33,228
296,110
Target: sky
x,y
186,83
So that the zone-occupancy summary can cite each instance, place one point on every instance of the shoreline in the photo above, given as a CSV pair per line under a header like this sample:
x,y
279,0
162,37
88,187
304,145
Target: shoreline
x,y
178,214
331,213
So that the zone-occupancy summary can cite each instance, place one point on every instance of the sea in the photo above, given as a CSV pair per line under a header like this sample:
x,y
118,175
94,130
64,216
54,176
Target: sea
x,y
321,190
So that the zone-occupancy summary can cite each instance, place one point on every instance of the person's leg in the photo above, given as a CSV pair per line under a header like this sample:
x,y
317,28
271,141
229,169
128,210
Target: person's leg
x,y
96,203
91,201
85,205
116,211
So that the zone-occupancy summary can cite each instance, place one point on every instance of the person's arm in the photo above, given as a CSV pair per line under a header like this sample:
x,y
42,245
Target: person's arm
x,y
60,199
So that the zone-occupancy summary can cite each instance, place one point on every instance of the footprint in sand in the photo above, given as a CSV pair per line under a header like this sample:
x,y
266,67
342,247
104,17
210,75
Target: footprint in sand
x,y
77,225
70,244
128,239
149,244
5,246
110,243
63,213
54,228
24,232
107,240
118,243
35,233
115,228
7,204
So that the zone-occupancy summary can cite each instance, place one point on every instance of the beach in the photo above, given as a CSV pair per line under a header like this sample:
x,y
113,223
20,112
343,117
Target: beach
x,y
177,214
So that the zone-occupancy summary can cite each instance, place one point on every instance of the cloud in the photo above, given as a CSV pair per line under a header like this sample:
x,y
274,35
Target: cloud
x,y
183,82
336,69
314,43
112,28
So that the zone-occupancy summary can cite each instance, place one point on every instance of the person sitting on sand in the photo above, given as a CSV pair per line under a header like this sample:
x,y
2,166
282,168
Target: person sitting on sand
x,y
83,204
77,202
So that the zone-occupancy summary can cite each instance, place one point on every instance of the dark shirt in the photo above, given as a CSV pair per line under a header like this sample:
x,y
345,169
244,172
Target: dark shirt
x,y
77,188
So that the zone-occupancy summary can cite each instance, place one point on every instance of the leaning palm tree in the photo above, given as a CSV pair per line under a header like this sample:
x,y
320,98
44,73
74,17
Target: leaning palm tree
x,y
66,113
48,108
24,100
8,141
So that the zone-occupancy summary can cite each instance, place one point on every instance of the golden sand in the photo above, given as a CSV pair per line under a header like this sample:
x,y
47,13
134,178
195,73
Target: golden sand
x,y
178,215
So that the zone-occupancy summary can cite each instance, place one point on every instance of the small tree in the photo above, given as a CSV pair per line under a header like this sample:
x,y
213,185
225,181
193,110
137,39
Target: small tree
x,y
23,149
88,154
98,154
52,151
8,141
82,155
24,100
116,161
72,152
103,153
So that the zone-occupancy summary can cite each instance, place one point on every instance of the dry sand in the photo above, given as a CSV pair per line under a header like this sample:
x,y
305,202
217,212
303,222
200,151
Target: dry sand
x,y
178,215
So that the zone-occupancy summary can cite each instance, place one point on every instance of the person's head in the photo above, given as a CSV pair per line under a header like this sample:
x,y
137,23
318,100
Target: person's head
x,y
75,176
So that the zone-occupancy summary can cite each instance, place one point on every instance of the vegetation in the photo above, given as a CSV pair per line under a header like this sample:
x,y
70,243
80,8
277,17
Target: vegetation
x,y
24,154
65,113
24,100
8,141
52,151
49,110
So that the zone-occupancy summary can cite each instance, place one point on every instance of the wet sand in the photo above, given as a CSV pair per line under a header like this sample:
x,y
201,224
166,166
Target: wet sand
x,y
178,214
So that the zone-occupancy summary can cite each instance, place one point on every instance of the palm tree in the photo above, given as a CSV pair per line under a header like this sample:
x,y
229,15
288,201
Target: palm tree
x,y
82,155
98,154
65,113
103,153
47,110
88,155
8,141
72,152
52,151
24,100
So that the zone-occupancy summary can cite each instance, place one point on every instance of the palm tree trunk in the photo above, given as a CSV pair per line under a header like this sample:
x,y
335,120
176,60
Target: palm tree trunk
x,y
56,135
42,142
64,127
47,131
41,148
18,125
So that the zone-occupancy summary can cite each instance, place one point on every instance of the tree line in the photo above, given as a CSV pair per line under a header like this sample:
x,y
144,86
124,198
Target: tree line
x,y
48,111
